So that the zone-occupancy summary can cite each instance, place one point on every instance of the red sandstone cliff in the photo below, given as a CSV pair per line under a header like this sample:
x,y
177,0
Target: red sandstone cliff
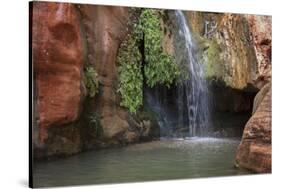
x,y
65,38
57,63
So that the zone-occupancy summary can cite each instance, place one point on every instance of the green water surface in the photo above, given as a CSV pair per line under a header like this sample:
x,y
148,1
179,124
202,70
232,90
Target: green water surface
x,y
157,160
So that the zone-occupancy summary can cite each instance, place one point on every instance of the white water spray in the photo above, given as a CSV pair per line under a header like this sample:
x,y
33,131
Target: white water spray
x,y
194,89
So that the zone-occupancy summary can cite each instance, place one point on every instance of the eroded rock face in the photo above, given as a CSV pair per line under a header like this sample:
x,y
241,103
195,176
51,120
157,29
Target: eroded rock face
x,y
67,38
259,97
238,56
57,61
243,45
254,151
226,51
260,30
105,28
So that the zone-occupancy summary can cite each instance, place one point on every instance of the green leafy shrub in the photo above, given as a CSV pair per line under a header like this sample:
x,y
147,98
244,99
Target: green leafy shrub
x,y
91,81
160,66
130,76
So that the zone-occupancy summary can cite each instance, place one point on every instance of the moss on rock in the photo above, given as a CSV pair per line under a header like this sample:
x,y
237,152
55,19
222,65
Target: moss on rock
x,y
213,64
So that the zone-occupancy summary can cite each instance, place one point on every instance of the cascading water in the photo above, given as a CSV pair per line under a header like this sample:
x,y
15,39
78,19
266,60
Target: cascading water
x,y
183,110
194,88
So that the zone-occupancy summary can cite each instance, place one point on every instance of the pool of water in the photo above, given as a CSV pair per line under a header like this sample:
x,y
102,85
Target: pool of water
x,y
157,160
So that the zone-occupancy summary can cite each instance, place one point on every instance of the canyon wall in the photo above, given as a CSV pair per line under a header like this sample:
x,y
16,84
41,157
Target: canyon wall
x,y
224,44
261,34
226,48
105,28
57,49
236,47
66,39
255,149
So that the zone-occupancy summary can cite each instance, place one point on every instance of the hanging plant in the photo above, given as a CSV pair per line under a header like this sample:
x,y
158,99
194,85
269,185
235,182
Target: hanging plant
x,y
91,81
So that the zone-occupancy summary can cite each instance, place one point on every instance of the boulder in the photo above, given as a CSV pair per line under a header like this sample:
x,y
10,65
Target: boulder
x,y
259,97
131,137
254,151
114,127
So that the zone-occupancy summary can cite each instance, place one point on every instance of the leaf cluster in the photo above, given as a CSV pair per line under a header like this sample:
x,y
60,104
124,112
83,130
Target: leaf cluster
x,y
91,81
130,76
160,67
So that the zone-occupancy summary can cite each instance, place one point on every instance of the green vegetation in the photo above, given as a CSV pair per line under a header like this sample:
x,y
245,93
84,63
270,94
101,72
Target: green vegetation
x,y
91,81
213,64
159,67
130,76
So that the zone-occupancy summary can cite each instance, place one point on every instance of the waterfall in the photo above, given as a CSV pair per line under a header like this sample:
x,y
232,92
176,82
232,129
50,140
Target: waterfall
x,y
183,110
194,89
